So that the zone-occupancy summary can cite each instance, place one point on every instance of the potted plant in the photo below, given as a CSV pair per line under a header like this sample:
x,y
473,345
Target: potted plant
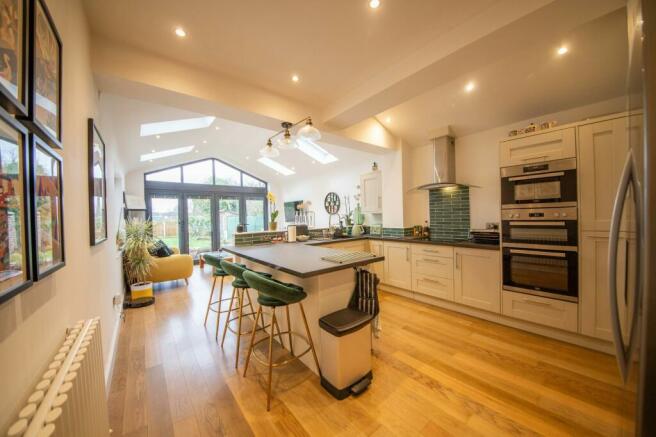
x,y
358,217
136,258
273,212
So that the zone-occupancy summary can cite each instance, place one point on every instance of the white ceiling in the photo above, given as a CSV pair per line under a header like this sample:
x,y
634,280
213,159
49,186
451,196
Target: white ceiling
x,y
235,143
333,46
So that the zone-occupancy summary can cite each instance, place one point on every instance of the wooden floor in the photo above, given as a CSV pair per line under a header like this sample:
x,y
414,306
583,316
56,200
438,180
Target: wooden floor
x,y
435,373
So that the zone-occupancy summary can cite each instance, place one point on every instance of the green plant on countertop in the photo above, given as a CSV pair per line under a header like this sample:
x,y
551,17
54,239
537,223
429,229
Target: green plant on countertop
x,y
273,211
136,259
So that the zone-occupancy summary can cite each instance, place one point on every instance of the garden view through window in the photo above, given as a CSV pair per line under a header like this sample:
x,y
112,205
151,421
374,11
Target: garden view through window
x,y
198,206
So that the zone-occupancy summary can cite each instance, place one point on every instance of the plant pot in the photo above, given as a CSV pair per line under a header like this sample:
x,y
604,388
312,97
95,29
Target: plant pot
x,y
141,290
273,226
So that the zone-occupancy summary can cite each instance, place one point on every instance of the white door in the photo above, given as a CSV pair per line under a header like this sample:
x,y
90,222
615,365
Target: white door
x,y
478,278
398,268
372,192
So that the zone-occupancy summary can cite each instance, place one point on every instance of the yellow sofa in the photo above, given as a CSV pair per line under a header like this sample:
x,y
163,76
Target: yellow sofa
x,y
171,268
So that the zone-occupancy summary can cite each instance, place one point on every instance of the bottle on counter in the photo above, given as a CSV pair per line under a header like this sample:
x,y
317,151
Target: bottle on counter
x,y
426,233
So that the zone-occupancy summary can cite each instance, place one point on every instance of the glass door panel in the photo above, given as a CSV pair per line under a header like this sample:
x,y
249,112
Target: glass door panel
x,y
165,214
228,220
255,215
199,225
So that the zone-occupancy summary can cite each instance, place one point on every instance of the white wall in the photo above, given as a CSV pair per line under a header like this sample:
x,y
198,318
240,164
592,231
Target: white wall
x,y
477,162
32,324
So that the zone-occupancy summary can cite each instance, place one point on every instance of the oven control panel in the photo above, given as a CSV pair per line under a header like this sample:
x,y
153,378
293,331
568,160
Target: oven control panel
x,y
540,214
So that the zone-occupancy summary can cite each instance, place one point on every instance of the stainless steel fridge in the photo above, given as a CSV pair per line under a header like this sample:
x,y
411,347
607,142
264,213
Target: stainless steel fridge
x,y
633,229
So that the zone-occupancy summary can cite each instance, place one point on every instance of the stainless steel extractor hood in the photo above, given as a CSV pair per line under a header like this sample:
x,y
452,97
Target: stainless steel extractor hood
x,y
442,171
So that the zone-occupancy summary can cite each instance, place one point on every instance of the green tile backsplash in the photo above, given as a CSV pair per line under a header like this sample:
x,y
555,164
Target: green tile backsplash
x,y
449,213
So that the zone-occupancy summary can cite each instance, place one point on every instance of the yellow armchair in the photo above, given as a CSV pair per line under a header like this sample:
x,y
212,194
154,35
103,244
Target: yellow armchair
x,y
171,268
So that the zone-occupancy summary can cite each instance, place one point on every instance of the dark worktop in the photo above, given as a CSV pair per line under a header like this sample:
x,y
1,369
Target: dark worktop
x,y
414,240
298,259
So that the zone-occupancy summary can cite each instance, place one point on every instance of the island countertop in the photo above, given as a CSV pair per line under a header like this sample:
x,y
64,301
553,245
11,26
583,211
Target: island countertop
x,y
298,259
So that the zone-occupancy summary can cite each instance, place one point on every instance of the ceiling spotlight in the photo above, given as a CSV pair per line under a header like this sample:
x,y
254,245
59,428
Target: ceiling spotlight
x,y
470,87
562,50
153,151
373,4
217,128
179,31
295,78
248,157
157,136
204,141
388,119
309,132
269,151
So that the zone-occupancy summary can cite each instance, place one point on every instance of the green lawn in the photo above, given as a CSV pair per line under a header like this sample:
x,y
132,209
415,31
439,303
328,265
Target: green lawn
x,y
205,243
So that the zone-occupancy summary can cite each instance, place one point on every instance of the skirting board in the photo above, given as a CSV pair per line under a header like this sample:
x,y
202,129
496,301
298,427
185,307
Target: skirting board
x,y
109,366
567,337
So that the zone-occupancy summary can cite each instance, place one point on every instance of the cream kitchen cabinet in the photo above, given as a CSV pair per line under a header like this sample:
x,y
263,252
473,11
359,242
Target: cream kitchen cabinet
x,y
371,191
432,270
594,294
549,312
398,265
555,144
477,278
602,151
376,247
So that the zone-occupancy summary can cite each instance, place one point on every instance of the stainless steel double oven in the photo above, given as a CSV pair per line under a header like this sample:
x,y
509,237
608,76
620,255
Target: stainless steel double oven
x,y
539,229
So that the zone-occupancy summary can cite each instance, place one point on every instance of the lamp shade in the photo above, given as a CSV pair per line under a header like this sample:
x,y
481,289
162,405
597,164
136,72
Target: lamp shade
x,y
286,142
269,151
309,132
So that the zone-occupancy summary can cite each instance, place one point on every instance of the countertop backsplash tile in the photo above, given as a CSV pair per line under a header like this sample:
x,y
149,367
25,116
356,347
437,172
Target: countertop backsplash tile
x,y
449,213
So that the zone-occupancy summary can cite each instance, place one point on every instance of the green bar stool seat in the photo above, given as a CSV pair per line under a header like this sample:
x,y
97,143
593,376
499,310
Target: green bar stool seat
x,y
216,305
238,302
274,294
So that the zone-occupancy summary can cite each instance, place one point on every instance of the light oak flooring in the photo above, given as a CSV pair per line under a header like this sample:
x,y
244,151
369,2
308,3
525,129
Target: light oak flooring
x,y
435,373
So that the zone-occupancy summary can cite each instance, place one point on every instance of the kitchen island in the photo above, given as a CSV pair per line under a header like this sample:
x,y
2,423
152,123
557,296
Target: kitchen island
x,y
329,285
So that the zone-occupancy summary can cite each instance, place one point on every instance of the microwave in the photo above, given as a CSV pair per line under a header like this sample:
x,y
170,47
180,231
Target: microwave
x,y
545,184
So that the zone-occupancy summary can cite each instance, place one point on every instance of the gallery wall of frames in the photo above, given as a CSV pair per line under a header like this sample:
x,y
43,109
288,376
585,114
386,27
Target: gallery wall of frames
x,y
31,188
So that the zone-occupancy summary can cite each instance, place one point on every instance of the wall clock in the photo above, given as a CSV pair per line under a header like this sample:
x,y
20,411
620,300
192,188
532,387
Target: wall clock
x,y
332,203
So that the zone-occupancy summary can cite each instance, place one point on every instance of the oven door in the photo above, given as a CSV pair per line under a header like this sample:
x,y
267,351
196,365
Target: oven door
x,y
552,233
535,185
548,273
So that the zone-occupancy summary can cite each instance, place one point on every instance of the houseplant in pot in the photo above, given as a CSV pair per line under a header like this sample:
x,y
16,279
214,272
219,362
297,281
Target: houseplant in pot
x,y
273,212
137,261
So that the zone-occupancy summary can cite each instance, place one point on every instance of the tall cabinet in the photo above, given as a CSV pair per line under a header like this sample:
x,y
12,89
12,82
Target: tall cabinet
x,y
603,146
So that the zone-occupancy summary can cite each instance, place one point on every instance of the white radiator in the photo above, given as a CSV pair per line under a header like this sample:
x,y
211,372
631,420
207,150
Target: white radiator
x,y
70,399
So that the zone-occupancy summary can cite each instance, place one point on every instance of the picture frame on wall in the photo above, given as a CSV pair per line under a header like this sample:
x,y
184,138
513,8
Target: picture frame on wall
x,y
44,100
47,215
97,186
15,230
13,56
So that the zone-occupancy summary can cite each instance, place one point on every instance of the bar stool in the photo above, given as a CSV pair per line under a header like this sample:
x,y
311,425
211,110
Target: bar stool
x,y
240,293
215,306
273,294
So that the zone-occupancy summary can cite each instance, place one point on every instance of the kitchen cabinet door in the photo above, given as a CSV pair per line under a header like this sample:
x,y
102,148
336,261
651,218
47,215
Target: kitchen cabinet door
x,y
536,309
594,297
376,247
602,151
371,190
478,278
398,266
548,146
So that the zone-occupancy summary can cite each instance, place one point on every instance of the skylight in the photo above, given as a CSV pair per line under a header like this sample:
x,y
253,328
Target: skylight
x,y
276,166
166,153
167,127
315,151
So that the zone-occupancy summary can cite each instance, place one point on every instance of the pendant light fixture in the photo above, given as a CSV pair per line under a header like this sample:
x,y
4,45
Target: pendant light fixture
x,y
286,138
269,151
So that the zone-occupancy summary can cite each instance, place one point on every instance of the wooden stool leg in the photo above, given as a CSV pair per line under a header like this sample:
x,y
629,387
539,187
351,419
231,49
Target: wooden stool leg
x,y
307,329
250,303
289,331
218,310
250,347
240,296
225,327
273,321
209,302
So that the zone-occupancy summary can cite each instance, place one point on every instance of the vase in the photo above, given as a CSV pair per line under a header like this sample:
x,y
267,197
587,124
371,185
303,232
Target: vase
x,y
273,226
141,290
357,230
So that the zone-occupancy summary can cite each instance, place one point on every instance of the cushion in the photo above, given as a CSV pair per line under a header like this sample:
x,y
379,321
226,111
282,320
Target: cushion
x,y
160,249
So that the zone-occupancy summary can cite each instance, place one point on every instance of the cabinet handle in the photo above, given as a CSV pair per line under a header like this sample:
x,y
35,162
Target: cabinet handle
x,y
433,281
537,302
535,157
407,254
457,261
380,202
432,261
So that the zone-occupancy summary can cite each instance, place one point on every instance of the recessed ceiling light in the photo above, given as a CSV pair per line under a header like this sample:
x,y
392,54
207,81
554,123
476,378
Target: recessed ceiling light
x,y
153,151
274,165
248,157
180,32
196,151
204,141
295,78
166,153
165,127
150,160
388,119
157,136
217,128
373,4
470,87
562,50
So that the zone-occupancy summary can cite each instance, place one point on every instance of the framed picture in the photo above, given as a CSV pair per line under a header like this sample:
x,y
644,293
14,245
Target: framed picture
x,y
97,186
44,100
47,209
15,232
13,56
